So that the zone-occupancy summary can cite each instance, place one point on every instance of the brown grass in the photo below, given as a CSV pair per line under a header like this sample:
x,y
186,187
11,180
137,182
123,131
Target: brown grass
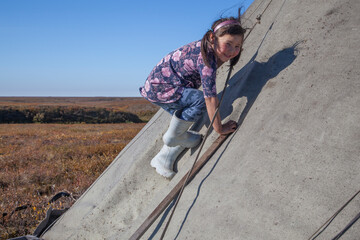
x,y
40,160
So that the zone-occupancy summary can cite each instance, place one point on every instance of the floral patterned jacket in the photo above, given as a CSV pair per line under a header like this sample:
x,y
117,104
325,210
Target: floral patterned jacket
x,y
182,68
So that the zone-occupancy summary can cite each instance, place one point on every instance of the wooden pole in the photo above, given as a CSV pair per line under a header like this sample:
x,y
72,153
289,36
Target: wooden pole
x,y
173,193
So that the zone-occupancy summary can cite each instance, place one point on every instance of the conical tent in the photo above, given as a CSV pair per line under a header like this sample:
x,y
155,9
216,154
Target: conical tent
x,y
291,164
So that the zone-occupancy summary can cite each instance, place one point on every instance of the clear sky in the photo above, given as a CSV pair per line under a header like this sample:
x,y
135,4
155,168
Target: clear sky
x,y
95,47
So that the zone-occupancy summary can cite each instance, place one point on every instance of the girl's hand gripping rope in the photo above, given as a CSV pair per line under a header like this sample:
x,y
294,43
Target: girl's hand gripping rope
x,y
228,127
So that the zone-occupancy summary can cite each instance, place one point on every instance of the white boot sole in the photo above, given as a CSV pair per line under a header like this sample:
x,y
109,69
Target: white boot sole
x,y
161,170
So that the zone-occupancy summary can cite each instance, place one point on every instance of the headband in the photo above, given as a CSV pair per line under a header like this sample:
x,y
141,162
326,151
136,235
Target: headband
x,y
225,23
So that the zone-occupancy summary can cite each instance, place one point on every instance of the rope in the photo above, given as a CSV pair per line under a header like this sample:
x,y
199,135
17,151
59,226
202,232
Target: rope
x,y
247,18
208,131
197,156
256,8
258,18
327,223
347,227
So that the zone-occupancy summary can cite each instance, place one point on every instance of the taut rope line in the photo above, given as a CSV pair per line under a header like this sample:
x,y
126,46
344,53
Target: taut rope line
x,y
197,156
258,18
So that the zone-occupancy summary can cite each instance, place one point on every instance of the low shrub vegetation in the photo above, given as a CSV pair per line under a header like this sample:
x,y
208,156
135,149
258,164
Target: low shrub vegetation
x,y
39,160
57,114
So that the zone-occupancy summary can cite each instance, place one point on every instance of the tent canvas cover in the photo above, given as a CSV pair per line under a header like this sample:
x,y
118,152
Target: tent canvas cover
x,y
291,164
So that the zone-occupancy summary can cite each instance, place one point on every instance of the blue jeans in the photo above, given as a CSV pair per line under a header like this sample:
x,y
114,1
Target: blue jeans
x,y
191,104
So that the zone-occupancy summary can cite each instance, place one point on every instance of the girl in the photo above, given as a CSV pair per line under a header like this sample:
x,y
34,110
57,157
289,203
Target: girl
x,y
173,84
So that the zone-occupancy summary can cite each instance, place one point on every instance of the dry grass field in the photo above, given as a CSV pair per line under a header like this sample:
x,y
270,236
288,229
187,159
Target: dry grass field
x,y
40,160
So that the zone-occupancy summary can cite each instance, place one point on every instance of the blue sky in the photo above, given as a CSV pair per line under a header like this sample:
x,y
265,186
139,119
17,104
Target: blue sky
x,y
95,47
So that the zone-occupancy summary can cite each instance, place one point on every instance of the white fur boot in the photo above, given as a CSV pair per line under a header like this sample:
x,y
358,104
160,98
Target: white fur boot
x,y
164,160
178,133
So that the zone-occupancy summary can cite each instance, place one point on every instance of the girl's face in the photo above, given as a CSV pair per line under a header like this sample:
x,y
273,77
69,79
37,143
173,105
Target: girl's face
x,y
226,47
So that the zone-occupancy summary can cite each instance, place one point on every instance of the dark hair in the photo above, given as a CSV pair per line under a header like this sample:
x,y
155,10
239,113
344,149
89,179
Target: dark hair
x,y
229,29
